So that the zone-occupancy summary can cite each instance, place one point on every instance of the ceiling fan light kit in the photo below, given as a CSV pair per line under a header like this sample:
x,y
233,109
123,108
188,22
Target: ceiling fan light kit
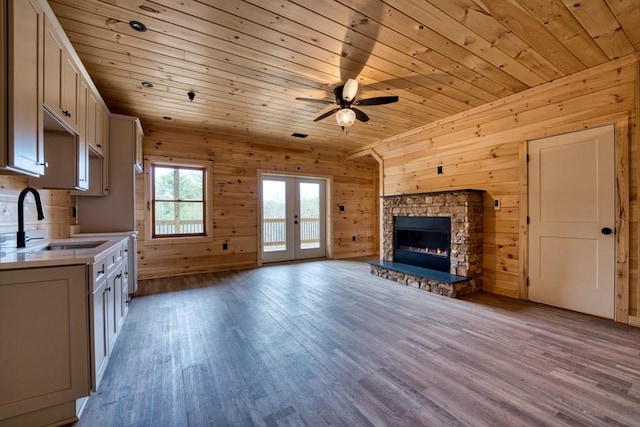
x,y
345,117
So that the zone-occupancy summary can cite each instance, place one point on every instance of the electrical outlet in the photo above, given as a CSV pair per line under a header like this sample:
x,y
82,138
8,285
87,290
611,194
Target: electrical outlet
x,y
496,204
341,207
440,170
225,246
353,238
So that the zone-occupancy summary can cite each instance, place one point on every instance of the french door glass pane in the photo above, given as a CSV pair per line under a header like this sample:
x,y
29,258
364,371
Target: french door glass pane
x,y
309,215
274,216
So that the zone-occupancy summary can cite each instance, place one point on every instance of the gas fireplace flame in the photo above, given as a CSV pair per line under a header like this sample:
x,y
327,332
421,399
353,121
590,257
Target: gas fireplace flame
x,y
432,251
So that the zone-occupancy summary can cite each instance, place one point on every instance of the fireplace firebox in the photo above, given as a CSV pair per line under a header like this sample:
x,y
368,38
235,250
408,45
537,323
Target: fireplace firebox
x,y
423,241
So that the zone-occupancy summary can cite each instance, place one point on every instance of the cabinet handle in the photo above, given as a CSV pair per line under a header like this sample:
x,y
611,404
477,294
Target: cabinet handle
x,y
101,271
107,289
99,145
45,164
119,275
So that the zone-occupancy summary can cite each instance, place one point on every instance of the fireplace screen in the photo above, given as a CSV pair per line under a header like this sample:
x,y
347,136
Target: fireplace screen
x,y
423,241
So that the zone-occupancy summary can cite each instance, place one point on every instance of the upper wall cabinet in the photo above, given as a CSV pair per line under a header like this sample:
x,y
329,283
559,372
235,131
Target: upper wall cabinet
x,y
22,144
61,78
49,100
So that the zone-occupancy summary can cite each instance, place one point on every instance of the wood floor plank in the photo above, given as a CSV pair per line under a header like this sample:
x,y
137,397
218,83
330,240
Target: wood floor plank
x,y
326,343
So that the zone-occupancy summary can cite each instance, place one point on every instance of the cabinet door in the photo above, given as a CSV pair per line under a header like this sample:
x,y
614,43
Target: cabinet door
x,y
99,328
61,77
44,338
102,117
25,141
54,54
125,291
113,290
92,109
70,89
138,142
121,298
83,147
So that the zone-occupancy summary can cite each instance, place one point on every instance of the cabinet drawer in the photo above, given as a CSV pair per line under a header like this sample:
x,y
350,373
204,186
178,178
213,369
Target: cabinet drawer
x,y
122,252
112,258
99,270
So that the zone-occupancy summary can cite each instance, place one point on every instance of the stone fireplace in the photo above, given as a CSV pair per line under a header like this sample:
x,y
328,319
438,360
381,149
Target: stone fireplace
x,y
419,218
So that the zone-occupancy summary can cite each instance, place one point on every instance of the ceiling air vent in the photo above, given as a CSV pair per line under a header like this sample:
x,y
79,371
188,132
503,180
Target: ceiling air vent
x,y
299,135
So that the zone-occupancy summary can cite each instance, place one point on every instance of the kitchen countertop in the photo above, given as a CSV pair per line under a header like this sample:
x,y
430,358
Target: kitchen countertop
x,y
103,234
36,256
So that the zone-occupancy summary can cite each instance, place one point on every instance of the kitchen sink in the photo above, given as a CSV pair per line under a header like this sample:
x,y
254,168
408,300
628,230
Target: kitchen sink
x,y
74,245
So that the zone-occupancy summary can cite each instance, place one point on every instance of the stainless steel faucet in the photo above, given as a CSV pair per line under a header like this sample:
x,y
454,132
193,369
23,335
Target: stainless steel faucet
x,y
21,238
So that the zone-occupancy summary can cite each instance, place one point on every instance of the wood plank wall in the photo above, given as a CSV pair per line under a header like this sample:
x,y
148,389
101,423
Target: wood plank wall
x,y
485,148
58,205
236,162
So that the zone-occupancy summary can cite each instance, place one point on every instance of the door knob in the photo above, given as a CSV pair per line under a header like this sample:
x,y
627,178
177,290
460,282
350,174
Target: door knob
x,y
606,231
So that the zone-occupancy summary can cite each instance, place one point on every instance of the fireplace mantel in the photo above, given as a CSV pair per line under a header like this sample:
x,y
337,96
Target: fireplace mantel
x,y
465,208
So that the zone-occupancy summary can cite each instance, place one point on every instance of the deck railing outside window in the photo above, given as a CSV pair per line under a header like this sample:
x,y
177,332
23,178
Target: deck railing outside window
x,y
179,227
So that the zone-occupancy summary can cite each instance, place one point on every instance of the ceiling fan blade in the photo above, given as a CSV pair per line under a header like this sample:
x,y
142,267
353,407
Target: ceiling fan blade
x,y
325,115
360,115
380,100
319,101
360,38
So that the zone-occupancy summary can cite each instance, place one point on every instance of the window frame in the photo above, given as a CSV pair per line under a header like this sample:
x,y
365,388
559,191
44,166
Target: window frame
x,y
207,193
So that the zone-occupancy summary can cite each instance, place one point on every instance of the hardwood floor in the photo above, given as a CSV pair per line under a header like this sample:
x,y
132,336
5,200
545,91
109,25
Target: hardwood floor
x,y
326,343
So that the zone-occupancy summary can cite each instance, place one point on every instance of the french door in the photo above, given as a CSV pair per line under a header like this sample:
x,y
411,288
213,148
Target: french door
x,y
293,218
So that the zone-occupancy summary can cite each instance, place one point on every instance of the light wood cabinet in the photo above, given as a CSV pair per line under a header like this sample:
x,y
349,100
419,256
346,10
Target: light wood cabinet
x,y
108,303
45,348
61,77
116,211
96,139
70,92
102,141
99,303
91,112
138,141
98,125
52,65
23,149
42,70
83,146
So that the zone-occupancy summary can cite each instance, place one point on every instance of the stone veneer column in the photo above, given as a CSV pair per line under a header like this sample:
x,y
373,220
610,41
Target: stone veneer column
x,y
466,212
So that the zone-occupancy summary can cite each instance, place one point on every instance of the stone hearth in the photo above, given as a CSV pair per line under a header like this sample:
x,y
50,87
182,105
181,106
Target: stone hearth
x,y
466,212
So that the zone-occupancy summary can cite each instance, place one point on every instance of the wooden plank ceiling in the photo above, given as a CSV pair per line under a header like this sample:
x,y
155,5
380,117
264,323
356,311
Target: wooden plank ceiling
x,y
247,60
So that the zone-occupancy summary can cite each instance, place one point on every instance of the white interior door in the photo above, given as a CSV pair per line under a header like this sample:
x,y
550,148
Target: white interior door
x,y
572,221
293,218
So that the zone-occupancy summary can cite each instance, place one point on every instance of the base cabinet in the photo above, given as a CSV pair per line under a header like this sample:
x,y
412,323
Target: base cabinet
x,y
44,350
99,327
108,300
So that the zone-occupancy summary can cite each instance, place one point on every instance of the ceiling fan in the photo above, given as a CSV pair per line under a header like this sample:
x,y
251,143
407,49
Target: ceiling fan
x,y
345,99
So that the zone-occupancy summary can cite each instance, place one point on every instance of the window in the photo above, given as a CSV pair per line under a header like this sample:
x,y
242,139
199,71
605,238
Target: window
x,y
178,202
